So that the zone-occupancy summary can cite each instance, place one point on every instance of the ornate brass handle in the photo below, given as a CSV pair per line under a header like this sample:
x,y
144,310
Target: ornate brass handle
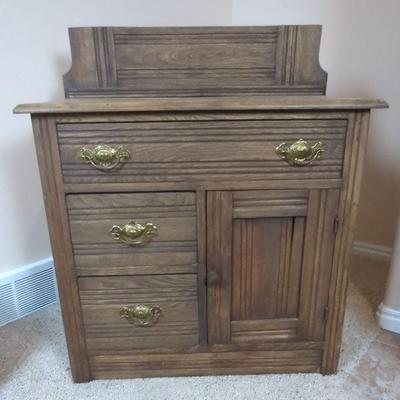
x,y
300,153
104,157
141,315
133,233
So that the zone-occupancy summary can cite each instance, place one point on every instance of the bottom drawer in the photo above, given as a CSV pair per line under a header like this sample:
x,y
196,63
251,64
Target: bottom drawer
x,y
139,312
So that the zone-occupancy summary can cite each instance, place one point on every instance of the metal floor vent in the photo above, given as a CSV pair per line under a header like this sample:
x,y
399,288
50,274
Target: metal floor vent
x,y
27,290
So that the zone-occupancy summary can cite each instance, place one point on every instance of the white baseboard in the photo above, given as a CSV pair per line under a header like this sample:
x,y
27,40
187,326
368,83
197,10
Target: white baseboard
x,y
372,250
27,289
389,318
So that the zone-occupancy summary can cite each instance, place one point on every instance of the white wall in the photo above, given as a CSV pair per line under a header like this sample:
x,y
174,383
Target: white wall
x,y
34,51
359,51
389,310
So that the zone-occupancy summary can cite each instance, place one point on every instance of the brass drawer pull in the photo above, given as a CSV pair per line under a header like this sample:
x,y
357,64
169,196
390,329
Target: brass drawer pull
x,y
141,315
300,153
104,157
133,233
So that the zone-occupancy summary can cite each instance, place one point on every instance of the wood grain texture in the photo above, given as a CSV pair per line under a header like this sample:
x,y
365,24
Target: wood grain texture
x,y
195,61
232,103
268,239
254,362
218,114
176,151
349,199
219,265
172,250
317,262
56,211
209,183
269,203
201,208
262,331
103,297
203,185
265,278
281,263
218,348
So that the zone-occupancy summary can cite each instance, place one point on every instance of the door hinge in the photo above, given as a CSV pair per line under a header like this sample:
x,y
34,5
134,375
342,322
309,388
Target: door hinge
x,y
336,225
326,313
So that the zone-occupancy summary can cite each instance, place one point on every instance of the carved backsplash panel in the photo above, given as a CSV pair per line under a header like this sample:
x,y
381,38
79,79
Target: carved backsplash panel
x,y
196,61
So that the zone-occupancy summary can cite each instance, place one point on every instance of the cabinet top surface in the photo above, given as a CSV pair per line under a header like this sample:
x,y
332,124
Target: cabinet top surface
x,y
256,103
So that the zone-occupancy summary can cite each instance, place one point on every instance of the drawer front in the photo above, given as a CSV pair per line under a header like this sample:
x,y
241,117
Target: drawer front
x,y
172,248
158,311
176,151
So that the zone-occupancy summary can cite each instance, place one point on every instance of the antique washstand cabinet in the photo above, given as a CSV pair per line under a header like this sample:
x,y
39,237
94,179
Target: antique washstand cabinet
x,y
201,195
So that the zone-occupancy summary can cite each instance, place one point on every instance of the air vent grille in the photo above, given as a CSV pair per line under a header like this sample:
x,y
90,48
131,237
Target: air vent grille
x,y
8,309
27,290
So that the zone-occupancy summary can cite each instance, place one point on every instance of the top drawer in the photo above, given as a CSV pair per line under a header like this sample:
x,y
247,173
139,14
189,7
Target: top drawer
x,y
201,150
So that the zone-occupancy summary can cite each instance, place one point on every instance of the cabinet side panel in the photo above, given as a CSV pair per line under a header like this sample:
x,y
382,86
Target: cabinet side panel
x,y
51,178
353,165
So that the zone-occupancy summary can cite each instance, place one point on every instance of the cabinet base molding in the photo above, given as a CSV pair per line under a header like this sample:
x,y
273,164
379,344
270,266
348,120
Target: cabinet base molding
x,y
190,364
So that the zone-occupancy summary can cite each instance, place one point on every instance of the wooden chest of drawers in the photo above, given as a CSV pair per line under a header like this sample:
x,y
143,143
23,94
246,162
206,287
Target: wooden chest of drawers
x,y
201,235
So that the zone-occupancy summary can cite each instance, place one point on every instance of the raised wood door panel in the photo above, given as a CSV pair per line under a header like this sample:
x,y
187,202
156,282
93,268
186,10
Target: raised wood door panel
x,y
208,148
269,261
173,249
103,297
271,249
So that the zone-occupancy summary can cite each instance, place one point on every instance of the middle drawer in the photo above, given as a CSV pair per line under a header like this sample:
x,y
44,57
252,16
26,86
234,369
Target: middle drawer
x,y
133,233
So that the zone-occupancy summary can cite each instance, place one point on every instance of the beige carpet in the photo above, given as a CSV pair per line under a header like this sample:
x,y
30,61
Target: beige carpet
x,y
34,363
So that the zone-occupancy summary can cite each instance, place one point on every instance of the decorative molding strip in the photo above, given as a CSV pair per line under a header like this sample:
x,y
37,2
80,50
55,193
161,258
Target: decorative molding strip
x,y
389,318
27,289
372,250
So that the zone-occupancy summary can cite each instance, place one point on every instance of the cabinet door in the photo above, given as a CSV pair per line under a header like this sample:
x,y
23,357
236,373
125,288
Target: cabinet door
x,y
269,259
